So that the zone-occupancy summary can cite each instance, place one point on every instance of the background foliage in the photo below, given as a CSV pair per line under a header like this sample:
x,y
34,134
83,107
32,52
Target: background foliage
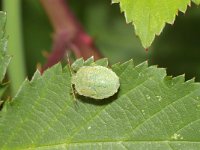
x,y
177,48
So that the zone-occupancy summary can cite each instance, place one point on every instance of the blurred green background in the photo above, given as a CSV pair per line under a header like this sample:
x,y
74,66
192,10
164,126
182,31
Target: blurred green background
x,y
177,48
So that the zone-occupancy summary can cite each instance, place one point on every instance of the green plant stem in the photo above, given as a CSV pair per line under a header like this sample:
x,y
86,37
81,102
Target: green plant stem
x,y
16,70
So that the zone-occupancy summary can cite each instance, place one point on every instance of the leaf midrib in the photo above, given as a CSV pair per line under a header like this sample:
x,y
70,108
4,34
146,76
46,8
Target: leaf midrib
x,y
114,141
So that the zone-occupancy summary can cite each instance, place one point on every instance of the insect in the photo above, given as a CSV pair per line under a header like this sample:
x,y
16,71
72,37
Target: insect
x,y
94,79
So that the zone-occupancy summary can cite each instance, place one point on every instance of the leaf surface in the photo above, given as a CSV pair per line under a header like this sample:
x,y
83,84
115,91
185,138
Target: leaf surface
x,y
4,58
149,17
150,111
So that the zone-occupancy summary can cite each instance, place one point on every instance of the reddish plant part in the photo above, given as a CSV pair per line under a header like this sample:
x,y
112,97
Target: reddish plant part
x,y
68,34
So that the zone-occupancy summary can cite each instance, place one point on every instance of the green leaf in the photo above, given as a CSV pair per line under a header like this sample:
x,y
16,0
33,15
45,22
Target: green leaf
x,y
89,61
4,58
150,111
149,17
111,28
3,89
77,64
2,23
102,62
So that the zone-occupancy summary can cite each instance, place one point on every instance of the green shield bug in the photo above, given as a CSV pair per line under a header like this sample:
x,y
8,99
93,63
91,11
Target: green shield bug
x,y
94,79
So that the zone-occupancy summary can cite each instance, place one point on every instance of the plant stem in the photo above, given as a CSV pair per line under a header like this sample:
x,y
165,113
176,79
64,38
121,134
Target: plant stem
x,y
16,69
68,33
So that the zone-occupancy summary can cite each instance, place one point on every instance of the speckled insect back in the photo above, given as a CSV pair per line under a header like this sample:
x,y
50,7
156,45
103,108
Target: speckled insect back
x,y
94,80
